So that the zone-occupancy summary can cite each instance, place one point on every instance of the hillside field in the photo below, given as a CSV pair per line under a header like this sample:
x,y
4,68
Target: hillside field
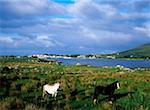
x,y
140,52
22,79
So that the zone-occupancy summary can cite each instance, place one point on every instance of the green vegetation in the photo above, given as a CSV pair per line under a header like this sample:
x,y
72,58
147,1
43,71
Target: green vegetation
x,y
142,52
22,80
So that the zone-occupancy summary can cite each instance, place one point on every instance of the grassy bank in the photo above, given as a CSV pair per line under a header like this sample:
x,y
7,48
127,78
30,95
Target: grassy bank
x,y
22,81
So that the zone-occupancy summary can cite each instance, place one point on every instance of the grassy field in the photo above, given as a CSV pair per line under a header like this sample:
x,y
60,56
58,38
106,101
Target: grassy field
x,y
21,86
141,52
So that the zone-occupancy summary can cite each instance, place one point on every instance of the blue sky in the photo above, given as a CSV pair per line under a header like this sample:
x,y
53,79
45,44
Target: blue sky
x,y
72,26
64,1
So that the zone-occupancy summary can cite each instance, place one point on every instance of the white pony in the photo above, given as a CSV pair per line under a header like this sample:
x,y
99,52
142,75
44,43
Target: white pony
x,y
51,89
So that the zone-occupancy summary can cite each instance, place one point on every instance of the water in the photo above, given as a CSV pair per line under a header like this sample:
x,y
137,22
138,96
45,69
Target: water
x,y
106,62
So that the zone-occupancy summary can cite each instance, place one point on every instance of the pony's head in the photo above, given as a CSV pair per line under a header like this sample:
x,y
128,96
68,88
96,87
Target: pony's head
x,y
118,85
57,84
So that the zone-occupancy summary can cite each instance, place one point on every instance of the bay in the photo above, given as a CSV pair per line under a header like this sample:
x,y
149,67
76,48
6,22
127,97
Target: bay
x,y
105,62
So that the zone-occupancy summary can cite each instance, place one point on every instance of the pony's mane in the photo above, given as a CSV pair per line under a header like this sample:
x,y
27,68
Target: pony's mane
x,y
57,83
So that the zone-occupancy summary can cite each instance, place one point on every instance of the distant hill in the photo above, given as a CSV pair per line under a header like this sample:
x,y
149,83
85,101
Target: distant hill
x,y
142,51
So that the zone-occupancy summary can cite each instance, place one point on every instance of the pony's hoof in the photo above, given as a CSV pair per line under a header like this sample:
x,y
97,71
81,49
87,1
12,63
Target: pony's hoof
x,y
95,101
110,102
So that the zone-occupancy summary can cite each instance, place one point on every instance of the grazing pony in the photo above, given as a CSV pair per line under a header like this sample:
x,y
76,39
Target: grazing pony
x,y
108,90
51,89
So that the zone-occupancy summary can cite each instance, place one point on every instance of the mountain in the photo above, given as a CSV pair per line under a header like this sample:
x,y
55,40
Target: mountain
x,y
142,51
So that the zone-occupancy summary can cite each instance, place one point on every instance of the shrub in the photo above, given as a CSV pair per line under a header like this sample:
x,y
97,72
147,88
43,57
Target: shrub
x,y
33,107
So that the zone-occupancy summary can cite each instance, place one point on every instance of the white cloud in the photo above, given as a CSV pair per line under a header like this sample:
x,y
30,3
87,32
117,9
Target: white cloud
x,y
30,7
17,13
6,40
46,41
144,30
88,9
91,25
41,41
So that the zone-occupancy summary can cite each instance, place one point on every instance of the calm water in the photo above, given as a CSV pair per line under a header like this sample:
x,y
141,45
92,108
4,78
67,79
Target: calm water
x,y
106,62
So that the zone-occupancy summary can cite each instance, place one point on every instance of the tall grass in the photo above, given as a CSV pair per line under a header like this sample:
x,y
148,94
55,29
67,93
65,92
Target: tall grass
x,y
21,88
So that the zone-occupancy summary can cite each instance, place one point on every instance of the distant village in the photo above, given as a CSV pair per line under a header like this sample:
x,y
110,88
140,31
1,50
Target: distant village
x,y
90,56
83,56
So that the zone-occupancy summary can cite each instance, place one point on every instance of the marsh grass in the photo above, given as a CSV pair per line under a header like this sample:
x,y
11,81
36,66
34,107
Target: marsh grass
x,y
21,88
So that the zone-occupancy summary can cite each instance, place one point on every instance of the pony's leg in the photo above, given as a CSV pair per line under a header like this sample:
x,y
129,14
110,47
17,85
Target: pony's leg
x,y
111,99
95,97
95,101
44,92
55,95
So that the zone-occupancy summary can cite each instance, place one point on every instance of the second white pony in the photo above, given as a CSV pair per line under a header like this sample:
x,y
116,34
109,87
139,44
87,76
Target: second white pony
x,y
51,89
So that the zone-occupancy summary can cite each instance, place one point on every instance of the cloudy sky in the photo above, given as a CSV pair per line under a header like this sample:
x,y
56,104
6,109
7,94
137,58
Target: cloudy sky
x,y
72,26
